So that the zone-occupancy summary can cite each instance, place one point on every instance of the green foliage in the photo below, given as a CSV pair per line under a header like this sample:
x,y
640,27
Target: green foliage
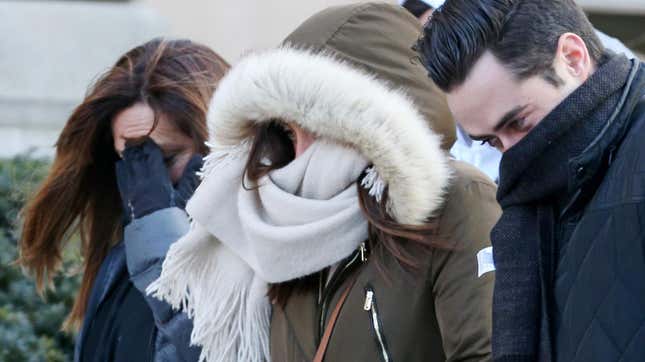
x,y
29,325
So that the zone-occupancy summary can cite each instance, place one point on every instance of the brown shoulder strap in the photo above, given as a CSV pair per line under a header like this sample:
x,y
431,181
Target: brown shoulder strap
x,y
324,342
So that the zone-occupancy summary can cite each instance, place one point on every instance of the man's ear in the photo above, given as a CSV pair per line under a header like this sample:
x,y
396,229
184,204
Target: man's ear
x,y
573,56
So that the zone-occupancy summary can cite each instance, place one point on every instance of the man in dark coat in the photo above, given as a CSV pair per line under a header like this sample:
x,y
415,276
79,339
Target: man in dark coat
x,y
532,79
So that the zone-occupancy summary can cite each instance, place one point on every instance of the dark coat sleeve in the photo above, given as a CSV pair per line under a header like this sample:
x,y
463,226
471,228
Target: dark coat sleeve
x,y
146,243
463,301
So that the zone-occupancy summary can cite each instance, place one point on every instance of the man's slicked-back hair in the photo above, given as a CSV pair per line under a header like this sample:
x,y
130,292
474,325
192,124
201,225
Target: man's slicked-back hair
x,y
522,34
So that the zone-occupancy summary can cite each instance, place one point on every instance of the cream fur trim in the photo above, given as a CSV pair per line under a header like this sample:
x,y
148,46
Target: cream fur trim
x,y
334,100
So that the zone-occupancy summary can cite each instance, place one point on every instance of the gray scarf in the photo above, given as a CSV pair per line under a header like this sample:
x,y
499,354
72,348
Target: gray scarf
x,y
301,219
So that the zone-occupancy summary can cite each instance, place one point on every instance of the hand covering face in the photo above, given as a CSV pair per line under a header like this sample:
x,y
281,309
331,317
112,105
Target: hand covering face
x,y
144,182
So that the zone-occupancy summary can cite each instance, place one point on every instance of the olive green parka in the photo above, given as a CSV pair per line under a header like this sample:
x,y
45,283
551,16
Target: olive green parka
x,y
441,312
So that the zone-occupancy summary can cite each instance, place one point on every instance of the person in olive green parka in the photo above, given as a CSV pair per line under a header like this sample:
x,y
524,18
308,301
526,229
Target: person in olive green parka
x,y
442,313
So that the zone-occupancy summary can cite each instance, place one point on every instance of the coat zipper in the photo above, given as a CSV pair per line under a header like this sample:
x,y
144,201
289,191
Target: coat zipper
x,y
377,327
363,250
325,293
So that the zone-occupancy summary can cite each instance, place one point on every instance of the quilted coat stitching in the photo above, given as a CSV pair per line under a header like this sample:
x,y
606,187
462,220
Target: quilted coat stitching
x,y
580,266
632,341
591,322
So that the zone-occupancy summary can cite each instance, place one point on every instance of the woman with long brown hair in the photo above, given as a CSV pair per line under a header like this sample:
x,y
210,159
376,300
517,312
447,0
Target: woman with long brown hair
x,y
125,165
347,233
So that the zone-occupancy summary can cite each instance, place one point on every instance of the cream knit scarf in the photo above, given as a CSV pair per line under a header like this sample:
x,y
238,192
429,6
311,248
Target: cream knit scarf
x,y
301,219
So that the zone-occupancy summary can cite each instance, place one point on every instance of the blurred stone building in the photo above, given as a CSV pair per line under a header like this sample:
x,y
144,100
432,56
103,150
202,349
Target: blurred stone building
x,y
623,19
50,51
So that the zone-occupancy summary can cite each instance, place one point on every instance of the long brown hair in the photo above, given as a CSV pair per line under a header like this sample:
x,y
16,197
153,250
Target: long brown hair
x,y
175,78
272,148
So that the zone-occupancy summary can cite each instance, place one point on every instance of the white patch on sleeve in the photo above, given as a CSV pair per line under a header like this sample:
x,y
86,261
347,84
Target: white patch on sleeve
x,y
485,262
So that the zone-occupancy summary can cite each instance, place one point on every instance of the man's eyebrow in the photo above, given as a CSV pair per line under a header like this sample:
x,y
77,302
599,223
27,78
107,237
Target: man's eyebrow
x,y
506,118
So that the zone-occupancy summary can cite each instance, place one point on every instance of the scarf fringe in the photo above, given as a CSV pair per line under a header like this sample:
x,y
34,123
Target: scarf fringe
x,y
232,316
221,156
374,183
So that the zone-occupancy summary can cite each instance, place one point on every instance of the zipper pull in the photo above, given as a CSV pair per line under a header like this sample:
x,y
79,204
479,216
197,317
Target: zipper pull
x,y
131,210
363,250
369,295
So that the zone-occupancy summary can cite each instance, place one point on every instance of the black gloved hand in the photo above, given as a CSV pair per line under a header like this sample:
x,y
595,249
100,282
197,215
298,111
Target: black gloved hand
x,y
144,182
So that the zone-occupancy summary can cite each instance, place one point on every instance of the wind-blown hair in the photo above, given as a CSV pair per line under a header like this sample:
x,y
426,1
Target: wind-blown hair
x,y
522,34
176,79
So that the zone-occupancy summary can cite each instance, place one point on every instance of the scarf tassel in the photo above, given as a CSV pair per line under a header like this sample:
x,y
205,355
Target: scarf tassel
x,y
232,317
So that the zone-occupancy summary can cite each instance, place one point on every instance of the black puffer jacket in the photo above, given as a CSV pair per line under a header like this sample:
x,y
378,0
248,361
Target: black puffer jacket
x,y
599,279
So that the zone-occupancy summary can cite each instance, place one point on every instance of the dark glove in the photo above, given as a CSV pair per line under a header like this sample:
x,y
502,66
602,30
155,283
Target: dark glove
x,y
144,182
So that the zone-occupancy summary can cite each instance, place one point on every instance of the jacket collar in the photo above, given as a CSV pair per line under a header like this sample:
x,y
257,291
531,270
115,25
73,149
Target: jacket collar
x,y
111,269
584,168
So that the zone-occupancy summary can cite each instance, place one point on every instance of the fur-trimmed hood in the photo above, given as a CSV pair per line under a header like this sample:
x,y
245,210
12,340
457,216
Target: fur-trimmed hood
x,y
377,37
218,271
333,100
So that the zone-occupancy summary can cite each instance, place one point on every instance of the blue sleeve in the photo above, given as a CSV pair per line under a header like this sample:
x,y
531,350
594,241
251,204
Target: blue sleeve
x,y
147,240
